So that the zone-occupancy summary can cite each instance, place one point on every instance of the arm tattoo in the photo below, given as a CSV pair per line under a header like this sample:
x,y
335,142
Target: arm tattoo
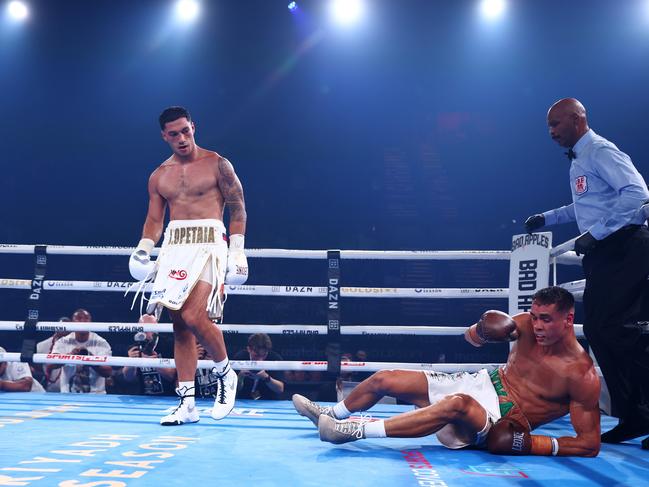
x,y
232,191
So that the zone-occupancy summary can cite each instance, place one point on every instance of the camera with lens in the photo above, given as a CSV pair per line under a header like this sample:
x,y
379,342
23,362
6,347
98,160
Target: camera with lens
x,y
146,345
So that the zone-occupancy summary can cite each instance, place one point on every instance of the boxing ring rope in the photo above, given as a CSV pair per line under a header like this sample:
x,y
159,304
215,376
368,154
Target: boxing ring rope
x,y
565,250
304,365
297,254
275,290
411,330
277,253
575,287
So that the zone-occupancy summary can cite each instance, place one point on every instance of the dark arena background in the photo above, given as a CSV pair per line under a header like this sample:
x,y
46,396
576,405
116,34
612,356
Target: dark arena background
x,y
413,125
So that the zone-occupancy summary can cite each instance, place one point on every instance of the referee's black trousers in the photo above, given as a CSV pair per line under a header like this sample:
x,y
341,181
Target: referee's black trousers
x,y
616,297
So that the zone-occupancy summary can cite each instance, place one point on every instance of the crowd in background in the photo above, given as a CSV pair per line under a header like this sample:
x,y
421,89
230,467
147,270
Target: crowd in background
x,y
161,381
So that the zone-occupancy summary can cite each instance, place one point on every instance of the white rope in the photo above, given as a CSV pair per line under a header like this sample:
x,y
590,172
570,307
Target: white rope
x,y
6,283
574,286
563,248
123,286
447,368
419,330
296,291
305,365
71,250
280,253
54,326
308,366
569,258
308,254
402,330
425,293
426,254
566,247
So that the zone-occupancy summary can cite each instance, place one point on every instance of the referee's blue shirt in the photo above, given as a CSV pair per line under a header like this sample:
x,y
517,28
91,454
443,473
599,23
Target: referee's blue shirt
x,y
607,190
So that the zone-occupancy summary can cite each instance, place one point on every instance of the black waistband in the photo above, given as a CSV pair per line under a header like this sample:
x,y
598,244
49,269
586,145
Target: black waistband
x,y
619,236
627,228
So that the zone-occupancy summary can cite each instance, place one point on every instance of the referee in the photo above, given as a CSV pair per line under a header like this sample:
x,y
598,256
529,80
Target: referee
x,y
607,193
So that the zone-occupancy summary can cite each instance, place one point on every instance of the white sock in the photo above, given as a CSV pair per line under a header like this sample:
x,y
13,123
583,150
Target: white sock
x,y
375,429
220,366
187,386
341,411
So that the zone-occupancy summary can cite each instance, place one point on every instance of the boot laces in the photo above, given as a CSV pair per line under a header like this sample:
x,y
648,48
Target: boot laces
x,y
355,426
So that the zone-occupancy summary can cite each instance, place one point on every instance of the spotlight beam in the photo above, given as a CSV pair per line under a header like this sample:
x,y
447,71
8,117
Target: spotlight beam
x,y
18,11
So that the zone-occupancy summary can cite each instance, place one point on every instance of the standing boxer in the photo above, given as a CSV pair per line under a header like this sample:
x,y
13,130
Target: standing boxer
x,y
194,261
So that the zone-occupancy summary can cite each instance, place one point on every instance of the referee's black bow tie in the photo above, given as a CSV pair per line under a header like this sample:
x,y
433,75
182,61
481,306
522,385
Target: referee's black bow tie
x,y
571,154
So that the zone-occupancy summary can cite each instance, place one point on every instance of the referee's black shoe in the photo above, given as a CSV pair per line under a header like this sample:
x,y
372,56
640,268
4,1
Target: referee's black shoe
x,y
626,430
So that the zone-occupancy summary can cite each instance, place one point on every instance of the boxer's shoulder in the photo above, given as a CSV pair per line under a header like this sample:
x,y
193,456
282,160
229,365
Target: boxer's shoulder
x,y
209,160
226,174
224,164
163,168
523,320
525,329
208,156
582,381
170,161
581,364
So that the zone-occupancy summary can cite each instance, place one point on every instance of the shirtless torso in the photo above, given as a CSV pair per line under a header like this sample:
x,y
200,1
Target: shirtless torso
x,y
195,183
545,380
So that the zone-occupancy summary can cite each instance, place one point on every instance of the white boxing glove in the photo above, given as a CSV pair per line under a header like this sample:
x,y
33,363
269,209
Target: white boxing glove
x,y
140,264
237,270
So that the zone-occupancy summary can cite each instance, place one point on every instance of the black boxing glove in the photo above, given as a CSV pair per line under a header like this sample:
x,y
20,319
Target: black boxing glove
x,y
534,223
509,437
494,327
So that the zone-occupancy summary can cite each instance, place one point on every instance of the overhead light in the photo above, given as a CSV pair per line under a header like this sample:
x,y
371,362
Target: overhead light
x,y
187,10
17,10
347,12
492,9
